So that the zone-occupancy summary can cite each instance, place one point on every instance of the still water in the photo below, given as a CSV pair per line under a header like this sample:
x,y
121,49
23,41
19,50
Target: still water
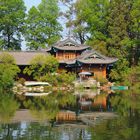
x,y
82,115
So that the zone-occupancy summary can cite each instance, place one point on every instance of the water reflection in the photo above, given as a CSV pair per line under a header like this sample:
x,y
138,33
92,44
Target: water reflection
x,y
63,116
8,107
47,107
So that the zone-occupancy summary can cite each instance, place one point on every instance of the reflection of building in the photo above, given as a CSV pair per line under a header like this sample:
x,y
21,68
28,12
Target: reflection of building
x,y
92,100
72,57
66,116
100,101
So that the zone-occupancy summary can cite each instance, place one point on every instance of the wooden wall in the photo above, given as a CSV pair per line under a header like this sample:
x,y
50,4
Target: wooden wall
x,y
98,71
62,55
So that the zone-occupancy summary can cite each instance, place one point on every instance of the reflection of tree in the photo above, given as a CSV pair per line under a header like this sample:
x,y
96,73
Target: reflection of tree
x,y
126,103
127,125
42,108
122,128
8,107
47,107
6,130
66,99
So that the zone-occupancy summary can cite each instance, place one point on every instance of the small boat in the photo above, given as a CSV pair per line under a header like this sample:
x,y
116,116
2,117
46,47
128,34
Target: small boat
x,y
119,87
35,83
36,94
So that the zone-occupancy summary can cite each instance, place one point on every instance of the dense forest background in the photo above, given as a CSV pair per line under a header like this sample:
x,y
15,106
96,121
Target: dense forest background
x,y
111,27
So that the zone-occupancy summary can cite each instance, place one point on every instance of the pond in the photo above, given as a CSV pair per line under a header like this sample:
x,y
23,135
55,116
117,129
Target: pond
x,y
81,115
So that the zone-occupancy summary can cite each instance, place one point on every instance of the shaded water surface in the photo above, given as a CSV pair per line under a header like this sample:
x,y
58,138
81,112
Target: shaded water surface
x,y
82,115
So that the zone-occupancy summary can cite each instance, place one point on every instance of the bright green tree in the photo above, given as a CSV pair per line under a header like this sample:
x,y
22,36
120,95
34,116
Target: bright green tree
x,y
42,27
41,65
124,38
118,21
134,32
8,71
91,18
12,14
120,70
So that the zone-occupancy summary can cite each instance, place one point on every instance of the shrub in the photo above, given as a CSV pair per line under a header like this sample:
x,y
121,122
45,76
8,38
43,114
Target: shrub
x,y
8,71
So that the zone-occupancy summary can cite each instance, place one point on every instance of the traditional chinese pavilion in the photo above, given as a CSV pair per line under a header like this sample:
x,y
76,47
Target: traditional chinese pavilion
x,y
77,58
72,57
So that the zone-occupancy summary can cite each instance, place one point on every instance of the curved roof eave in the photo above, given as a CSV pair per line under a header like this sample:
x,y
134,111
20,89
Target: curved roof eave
x,y
71,48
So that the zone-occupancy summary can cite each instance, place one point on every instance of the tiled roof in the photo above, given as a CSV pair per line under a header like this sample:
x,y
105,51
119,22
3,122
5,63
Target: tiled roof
x,y
70,45
98,61
23,57
94,57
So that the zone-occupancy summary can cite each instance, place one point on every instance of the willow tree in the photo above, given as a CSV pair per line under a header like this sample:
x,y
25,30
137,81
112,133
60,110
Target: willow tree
x,y
42,26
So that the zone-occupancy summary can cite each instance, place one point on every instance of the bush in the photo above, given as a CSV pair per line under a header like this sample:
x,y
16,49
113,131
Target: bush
x,y
40,65
8,71
55,79
21,81
102,80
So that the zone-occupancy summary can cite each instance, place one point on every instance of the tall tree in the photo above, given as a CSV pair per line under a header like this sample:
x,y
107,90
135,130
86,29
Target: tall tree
x,y
43,27
134,32
124,29
12,14
91,18
118,21
75,23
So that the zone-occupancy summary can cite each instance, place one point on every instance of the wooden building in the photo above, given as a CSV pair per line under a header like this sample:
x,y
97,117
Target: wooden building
x,y
77,58
72,57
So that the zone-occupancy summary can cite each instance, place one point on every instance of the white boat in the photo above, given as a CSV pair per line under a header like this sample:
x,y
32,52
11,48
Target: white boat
x,y
35,83
36,94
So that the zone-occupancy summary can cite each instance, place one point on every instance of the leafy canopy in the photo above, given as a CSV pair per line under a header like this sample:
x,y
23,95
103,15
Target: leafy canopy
x,y
12,14
8,71
42,26
40,65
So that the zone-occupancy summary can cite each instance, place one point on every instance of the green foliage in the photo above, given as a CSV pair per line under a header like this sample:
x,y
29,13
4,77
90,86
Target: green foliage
x,y
43,108
132,78
120,70
21,81
48,107
42,27
94,17
134,33
8,107
117,27
12,14
75,24
50,78
66,78
8,71
62,79
102,80
112,27
40,65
